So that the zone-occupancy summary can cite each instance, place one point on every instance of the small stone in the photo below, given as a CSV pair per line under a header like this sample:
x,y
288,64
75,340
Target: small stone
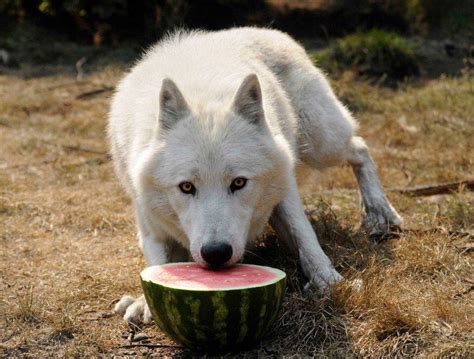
x,y
139,337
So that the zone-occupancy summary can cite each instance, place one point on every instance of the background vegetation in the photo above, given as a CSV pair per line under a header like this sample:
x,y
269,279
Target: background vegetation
x,y
111,21
67,236
386,40
377,53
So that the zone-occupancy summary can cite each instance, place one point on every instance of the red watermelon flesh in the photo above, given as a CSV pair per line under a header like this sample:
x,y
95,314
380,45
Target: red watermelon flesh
x,y
192,276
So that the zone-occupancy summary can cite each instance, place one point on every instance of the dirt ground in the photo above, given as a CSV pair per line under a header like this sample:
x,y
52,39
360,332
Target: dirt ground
x,y
68,249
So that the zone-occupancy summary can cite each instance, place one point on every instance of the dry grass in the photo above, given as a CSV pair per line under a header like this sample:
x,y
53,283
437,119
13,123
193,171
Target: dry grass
x,y
68,247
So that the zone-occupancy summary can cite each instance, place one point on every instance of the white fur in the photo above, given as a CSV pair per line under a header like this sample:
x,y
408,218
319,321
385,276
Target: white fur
x,y
189,111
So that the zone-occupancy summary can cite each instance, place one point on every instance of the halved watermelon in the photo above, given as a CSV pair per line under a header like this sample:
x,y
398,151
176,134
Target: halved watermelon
x,y
214,310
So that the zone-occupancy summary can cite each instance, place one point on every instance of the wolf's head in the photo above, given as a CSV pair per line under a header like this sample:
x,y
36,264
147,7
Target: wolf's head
x,y
212,177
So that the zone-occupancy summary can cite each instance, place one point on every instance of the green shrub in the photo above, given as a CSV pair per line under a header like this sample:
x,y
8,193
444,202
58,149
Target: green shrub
x,y
375,53
439,16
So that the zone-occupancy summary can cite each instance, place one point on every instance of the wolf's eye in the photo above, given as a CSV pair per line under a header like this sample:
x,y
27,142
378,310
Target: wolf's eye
x,y
238,183
187,188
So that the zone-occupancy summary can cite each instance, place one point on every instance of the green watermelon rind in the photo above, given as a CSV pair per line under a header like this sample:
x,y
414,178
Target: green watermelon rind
x,y
217,320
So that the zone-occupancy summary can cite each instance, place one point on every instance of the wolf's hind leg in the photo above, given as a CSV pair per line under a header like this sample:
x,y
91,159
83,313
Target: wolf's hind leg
x,y
379,215
290,223
327,138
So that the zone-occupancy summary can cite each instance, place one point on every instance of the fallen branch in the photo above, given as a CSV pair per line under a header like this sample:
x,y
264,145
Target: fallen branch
x,y
445,188
75,148
80,71
30,164
96,160
128,346
89,94
450,233
5,124
92,161
83,149
467,291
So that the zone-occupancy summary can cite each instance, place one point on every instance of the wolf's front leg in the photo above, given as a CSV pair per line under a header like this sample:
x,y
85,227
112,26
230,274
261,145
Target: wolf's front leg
x,y
290,223
156,251
135,310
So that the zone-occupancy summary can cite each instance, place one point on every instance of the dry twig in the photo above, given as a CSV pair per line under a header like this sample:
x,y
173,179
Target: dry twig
x,y
76,148
83,149
93,93
79,68
127,346
445,188
96,160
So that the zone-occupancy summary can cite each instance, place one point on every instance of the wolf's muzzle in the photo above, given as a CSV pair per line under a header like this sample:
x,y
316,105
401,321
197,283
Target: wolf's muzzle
x,y
216,254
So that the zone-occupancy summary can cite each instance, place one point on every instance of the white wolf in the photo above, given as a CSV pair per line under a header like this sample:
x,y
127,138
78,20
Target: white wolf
x,y
208,132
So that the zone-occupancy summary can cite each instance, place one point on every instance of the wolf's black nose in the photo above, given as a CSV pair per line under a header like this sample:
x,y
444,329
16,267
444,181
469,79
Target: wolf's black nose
x,y
216,253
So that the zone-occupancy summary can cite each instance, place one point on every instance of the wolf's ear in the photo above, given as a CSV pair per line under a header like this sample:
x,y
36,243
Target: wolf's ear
x,y
248,100
173,106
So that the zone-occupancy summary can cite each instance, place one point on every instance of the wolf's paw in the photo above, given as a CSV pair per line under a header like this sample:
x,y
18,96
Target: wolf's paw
x,y
134,310
381,221
324,279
